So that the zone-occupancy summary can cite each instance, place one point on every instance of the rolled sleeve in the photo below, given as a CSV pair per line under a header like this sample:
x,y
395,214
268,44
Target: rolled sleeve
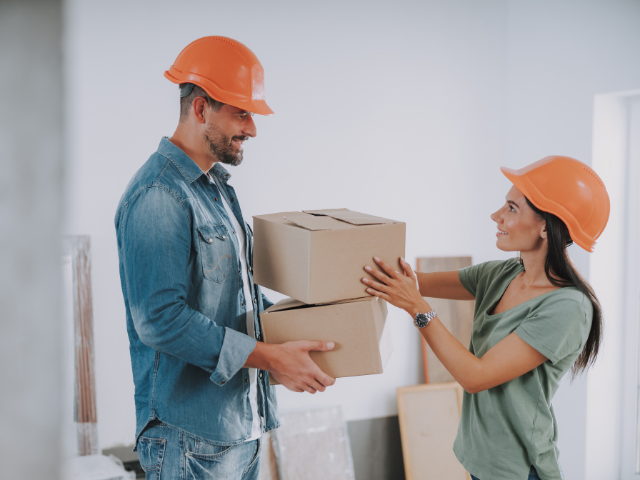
x,y
558,328
467,280
236,347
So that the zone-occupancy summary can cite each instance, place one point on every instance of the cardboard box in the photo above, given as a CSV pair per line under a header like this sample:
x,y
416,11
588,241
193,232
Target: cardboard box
x,y
318,256
357,327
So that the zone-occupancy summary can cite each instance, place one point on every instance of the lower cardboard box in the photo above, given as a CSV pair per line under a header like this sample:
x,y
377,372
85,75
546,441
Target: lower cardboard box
x,y
357,327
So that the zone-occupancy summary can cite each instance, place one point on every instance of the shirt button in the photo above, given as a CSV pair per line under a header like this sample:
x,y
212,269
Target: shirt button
x,y
233,199
246,380
210,240
260,374
243,304
215,199
223,382
224,237
255,301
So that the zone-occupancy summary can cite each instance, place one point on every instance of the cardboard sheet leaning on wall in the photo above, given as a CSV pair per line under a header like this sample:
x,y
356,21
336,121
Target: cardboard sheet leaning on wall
x,y
429,416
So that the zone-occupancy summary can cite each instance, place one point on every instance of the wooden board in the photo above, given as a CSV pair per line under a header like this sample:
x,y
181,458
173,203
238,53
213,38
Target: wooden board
x,y
268,461
429,416
455,315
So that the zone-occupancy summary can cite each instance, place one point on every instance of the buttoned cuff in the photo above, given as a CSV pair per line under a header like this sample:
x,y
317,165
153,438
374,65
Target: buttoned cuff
x,y
236,347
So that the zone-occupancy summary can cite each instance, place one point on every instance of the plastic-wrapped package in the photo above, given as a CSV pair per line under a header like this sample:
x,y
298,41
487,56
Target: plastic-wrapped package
x,y
313,445
95,467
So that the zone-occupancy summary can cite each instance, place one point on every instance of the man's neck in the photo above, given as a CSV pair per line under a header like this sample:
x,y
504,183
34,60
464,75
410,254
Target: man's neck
x,y
195,148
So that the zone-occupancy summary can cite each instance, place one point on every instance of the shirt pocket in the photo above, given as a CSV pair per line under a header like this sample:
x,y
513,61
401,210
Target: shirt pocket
x,y
216,252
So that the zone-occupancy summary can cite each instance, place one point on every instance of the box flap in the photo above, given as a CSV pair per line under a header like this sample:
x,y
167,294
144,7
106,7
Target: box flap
x,y
348,216
310,222
292,303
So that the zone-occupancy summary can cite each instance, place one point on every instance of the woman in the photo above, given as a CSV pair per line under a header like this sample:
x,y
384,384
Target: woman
x,y
535,318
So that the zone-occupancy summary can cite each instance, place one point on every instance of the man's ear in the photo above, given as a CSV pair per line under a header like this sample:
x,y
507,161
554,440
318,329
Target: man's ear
x,y
198,107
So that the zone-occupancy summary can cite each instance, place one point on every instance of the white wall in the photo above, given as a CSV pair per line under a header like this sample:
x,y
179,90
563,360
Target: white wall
x,y
402,109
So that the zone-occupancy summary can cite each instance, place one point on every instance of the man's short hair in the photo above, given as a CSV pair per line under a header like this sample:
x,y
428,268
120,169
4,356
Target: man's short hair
x,y
186,102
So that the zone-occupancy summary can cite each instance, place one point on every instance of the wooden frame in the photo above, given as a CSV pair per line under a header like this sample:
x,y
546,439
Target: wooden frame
x,y
429,416
456,315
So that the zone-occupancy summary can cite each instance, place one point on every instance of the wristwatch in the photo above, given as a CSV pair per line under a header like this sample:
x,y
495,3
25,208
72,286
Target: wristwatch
x,y
421,320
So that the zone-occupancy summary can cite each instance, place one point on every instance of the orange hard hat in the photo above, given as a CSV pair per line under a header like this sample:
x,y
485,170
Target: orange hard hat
x,y
570,190
226,69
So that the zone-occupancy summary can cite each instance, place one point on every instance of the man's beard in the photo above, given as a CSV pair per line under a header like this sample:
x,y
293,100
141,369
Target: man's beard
x,y
222,148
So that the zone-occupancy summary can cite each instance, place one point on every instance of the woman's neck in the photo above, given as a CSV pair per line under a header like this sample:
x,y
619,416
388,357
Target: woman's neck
x,y
534,274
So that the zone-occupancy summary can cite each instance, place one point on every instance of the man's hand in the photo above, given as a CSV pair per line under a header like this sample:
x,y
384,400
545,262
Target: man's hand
x,y
291,364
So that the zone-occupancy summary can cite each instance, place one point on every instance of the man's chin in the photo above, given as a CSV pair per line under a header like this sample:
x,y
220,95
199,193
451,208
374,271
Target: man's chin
x,y
233,160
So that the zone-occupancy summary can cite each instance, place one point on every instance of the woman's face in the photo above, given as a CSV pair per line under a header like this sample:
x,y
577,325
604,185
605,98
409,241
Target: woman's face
x,y
519,228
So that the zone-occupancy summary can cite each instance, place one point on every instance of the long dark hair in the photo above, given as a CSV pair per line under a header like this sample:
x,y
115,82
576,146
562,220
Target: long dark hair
x,y
561,273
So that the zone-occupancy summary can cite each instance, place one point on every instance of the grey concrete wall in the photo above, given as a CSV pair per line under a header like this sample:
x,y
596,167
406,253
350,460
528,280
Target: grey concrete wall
x,y
31,160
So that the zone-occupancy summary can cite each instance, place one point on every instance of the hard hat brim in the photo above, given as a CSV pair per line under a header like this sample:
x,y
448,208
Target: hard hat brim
x,y
250,105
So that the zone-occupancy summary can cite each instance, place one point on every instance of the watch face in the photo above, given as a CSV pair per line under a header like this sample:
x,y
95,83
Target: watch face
x,y
421,320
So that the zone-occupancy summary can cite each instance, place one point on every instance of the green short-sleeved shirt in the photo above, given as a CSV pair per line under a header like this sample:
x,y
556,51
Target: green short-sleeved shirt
x,y
508,428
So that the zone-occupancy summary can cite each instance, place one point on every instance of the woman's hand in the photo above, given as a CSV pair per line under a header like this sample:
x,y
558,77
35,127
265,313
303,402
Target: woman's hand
x,y
399,289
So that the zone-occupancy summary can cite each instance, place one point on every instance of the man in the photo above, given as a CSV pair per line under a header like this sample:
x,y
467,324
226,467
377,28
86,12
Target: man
x,y
202,390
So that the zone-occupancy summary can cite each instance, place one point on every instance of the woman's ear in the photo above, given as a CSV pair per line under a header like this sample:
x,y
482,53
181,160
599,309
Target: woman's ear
x,y
543,230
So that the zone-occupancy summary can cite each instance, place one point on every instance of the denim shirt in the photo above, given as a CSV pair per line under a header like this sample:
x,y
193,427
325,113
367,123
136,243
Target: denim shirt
x,y
186,310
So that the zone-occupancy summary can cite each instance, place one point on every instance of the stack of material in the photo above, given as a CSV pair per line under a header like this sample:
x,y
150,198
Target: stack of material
x,y
317,258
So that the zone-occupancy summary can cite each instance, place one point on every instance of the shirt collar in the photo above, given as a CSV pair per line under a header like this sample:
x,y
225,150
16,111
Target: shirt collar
x,y
219,171
186,166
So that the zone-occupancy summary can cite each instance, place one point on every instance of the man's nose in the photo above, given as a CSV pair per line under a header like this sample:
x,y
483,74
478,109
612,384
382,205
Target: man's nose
x,y
249,128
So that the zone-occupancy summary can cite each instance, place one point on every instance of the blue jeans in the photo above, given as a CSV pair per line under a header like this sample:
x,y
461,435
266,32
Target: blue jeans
x,y
167,453
533,475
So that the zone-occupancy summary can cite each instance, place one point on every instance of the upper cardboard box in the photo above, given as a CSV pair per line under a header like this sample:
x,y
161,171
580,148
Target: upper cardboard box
x,y
318,256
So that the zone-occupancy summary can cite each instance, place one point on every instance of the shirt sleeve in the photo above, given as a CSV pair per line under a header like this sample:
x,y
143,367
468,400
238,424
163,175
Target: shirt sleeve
x,y
155,235
559,327
266,303
474,276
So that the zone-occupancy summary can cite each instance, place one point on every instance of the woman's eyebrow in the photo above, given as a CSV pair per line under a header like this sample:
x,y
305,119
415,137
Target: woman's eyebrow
x,y
511,202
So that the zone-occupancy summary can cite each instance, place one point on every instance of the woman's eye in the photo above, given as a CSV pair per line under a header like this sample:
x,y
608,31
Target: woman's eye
x,y
511,209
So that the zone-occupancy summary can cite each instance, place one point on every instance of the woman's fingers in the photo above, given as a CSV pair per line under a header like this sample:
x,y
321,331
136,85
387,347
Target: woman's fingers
x,y
378,286
383,277
377,293
386,267
407,268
